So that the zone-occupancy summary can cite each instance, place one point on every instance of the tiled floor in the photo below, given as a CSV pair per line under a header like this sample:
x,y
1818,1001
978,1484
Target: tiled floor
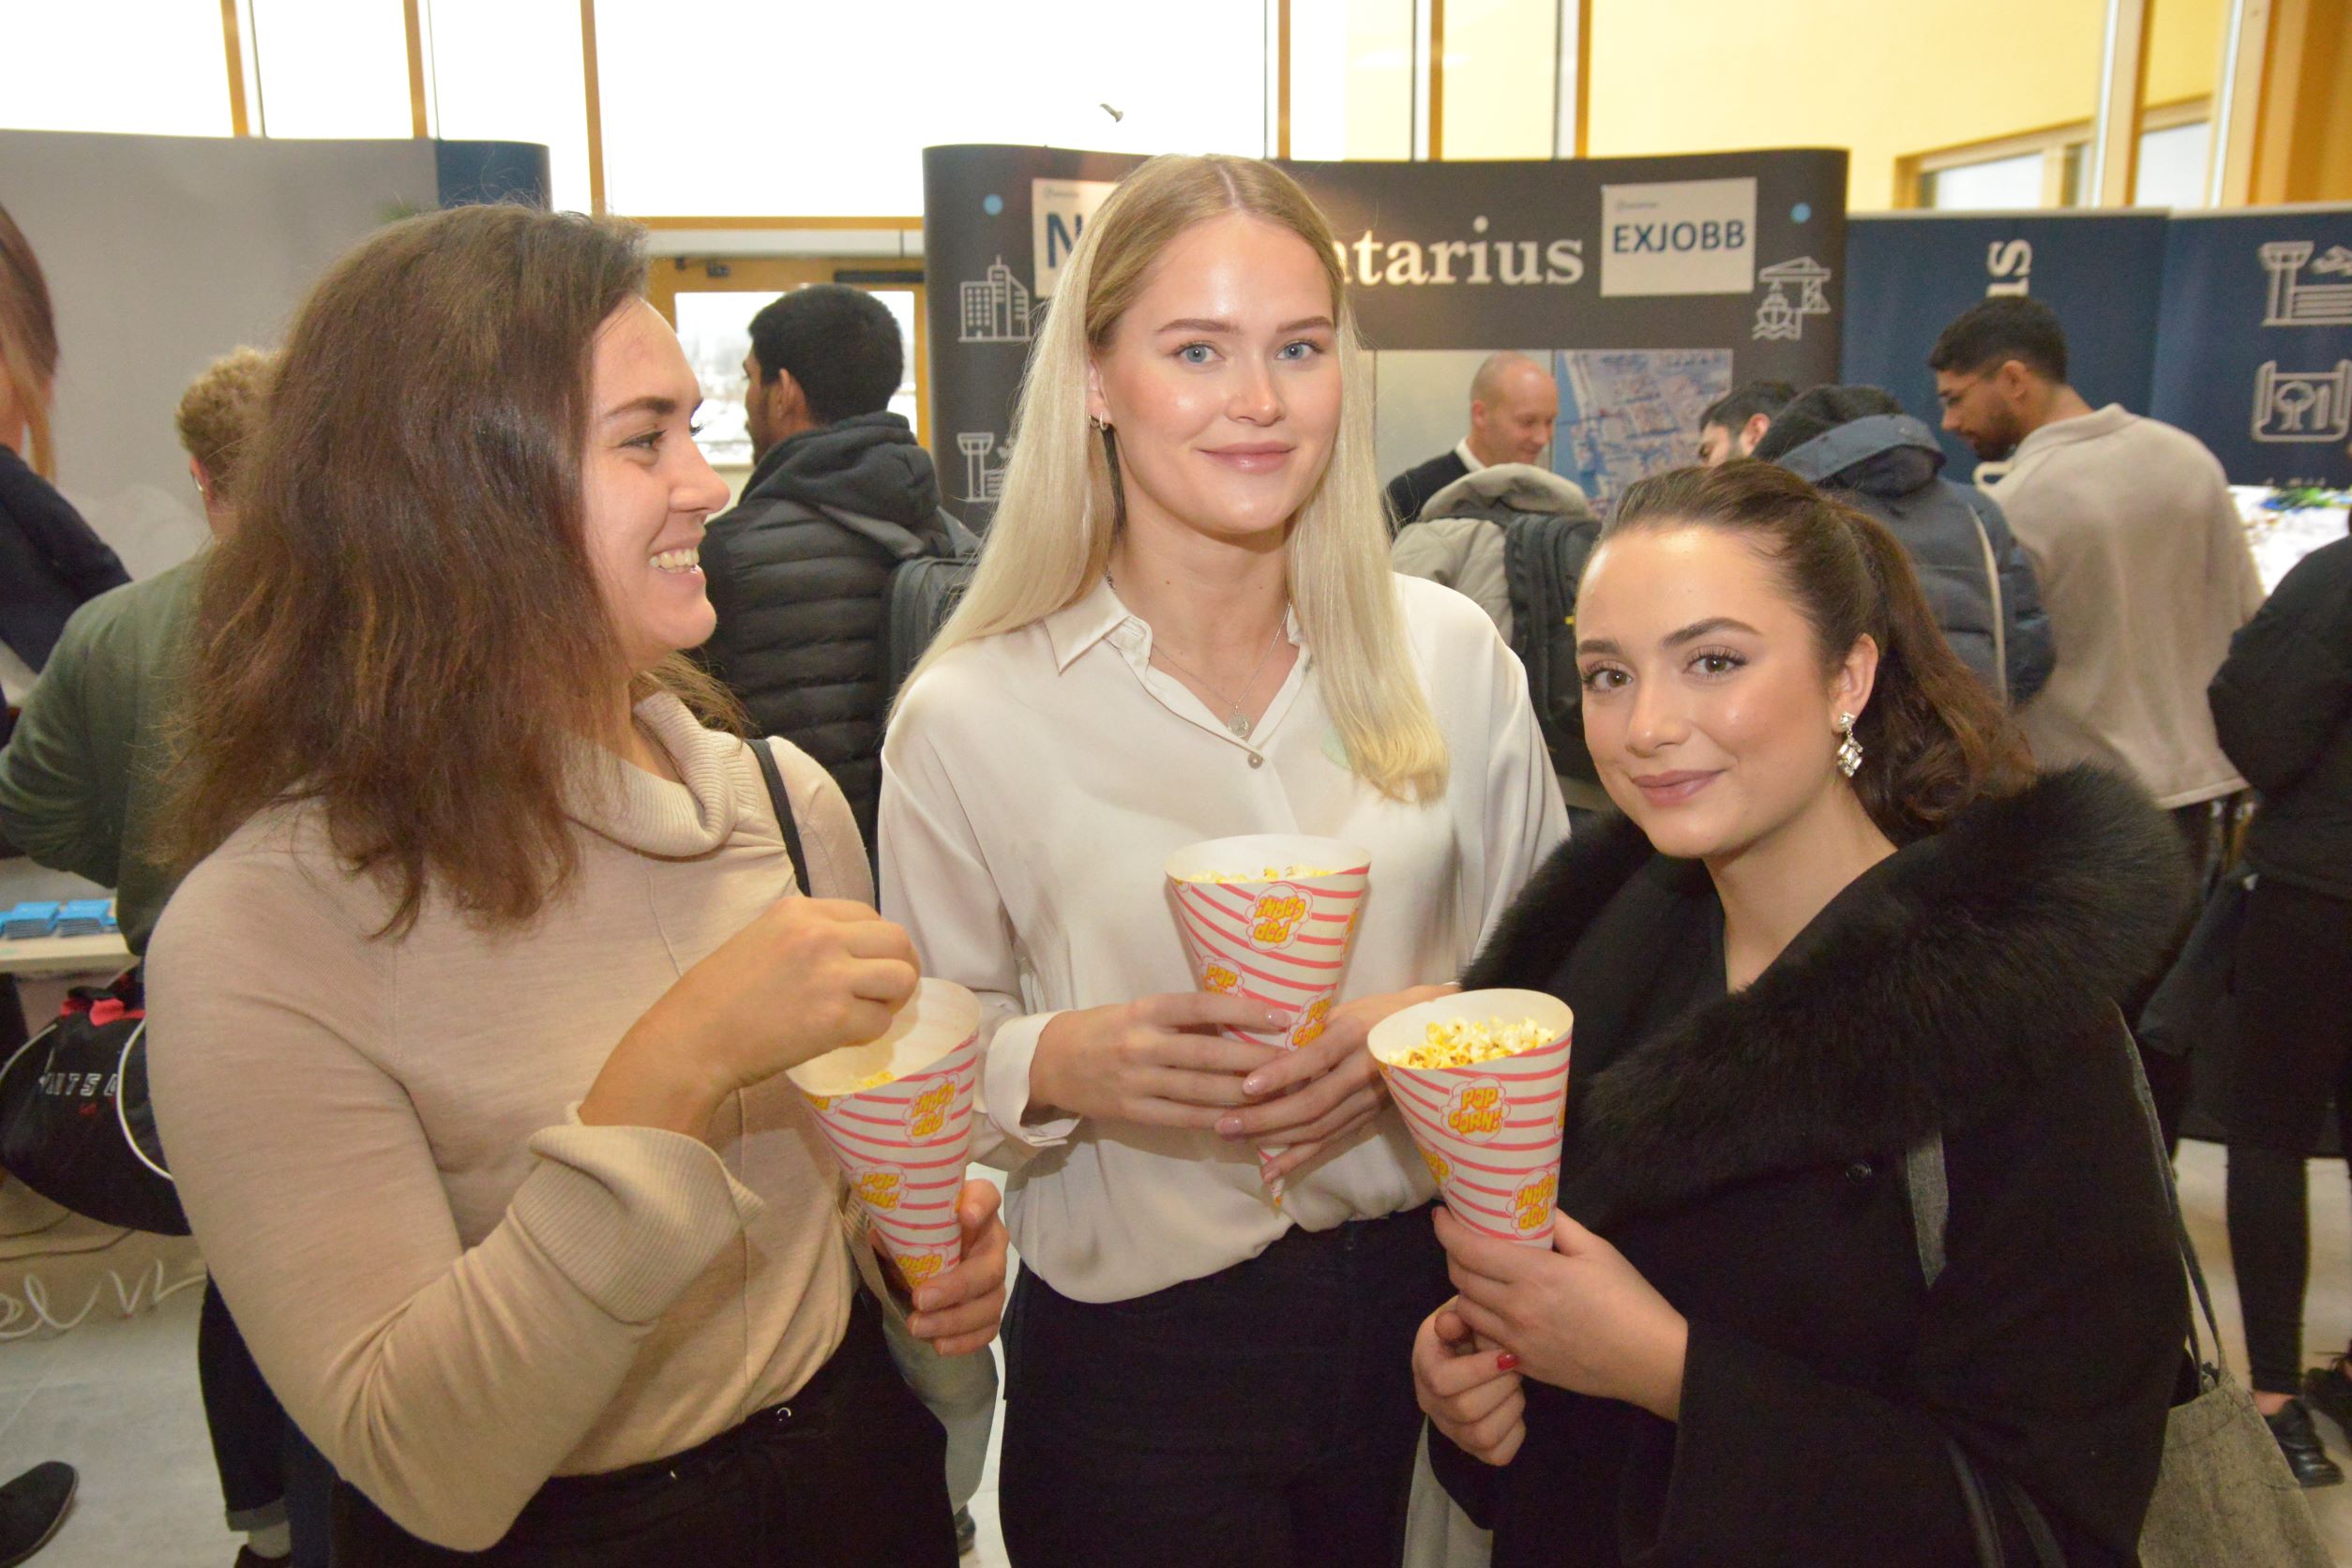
x,y
118,1399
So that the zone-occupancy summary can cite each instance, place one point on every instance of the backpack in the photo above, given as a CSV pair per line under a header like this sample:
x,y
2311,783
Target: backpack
x,y
925,585
1543,556
76,1124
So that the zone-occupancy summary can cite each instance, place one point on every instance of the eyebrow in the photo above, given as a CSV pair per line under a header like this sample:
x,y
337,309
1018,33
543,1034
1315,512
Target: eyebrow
x,y
1691,633
659,407
1202,324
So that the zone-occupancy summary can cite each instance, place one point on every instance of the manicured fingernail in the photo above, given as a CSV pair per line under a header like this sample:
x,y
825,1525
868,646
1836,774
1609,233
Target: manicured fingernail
x,y
1506,1362
1253,1085
1280,1020
1230,1126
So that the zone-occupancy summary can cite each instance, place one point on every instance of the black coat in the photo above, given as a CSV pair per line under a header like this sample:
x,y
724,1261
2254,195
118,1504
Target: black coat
x,y
51,562
1410,490
800,599
1748,1159
2283,706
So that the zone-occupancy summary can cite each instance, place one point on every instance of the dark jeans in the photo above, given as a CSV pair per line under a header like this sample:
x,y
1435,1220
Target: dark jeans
x,y
2294,999
1263,1417
247,1425
849,1473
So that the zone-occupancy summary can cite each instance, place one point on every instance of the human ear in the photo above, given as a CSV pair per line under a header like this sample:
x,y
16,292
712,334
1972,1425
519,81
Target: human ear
x,y
1097,406
1856,677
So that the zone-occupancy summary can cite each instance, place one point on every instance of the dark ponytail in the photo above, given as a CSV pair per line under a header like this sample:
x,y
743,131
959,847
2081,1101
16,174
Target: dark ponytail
x,y
1934,740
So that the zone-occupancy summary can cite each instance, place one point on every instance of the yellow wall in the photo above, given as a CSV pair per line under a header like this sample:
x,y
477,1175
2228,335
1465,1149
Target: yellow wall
x,y
1502,77
1885,78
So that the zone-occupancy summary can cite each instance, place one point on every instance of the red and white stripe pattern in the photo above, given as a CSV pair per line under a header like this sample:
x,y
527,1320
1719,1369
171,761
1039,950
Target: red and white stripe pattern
x,y
904,1145
1490,1131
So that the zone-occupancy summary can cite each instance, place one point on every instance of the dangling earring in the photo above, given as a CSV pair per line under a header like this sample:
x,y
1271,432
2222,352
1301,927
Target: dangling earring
x,y
1849,751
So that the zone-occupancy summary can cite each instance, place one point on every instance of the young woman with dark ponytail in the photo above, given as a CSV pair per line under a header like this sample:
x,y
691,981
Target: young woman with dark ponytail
x,y
1841,920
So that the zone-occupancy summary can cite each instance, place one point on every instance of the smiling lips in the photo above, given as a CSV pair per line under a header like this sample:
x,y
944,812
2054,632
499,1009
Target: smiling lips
x,y
1252,458
679,562
1672,789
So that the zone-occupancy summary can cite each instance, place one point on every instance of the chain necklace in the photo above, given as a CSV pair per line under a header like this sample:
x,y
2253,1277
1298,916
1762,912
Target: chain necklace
x,y
1236,718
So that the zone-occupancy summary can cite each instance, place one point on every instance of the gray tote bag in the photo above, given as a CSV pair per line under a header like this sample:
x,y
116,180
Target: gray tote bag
x,y
2224,1493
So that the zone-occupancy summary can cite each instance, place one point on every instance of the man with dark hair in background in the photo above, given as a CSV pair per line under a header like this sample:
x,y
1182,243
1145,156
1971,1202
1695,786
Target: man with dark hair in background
x,y
2145,572
1513,404
1734,423
799,569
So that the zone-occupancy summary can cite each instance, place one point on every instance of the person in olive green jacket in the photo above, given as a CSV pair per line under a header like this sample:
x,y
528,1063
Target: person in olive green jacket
x,y
81,784
79,779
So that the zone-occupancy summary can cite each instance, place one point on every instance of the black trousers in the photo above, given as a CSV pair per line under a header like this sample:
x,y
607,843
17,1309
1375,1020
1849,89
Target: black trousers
x,y
2294,999
2169,1076
1263,1417
849,1473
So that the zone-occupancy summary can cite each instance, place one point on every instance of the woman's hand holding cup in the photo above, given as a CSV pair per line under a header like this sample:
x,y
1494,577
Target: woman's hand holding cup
x,y
1160,1059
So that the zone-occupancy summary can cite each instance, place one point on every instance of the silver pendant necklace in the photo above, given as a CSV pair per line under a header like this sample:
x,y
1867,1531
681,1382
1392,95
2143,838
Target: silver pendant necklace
x,y
1236,717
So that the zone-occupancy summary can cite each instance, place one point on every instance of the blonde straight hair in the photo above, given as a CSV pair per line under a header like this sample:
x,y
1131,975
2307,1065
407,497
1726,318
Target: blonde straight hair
x,y
1052,540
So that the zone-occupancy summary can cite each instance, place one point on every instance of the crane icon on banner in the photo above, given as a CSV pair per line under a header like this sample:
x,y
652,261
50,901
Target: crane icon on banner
x,y
1777,317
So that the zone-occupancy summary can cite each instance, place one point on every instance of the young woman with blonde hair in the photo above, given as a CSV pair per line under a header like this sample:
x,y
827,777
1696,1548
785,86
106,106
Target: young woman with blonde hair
x,y
1182,628
468,1023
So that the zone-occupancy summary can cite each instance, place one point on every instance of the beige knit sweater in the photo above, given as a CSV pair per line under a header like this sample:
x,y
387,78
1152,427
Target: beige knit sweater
x,y
455,1289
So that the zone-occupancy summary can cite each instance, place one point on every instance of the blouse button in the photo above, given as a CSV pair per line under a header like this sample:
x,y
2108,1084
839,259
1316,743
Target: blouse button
x,y
1255,761
1859,1171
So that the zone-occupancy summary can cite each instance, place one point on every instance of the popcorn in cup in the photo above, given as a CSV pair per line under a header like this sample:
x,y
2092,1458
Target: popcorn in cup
x,y
896,1112
1272,917
1481,1079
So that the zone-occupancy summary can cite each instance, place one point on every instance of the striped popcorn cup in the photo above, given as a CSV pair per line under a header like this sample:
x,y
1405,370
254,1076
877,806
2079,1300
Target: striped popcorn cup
x,y
896,1112
1272,917
1489,1131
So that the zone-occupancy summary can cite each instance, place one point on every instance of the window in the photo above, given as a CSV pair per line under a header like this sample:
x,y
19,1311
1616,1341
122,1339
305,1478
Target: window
x,y
715,329
509,71
796,107
332,70
1992,185
2172,165
157,67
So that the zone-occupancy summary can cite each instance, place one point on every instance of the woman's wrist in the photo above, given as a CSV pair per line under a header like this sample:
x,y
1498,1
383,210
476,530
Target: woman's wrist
x,y
1663,1396
1044,1104
655,1079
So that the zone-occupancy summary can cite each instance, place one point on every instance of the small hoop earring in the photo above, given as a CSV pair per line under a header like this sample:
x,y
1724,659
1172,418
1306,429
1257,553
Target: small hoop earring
x,y
1849,751
1101,425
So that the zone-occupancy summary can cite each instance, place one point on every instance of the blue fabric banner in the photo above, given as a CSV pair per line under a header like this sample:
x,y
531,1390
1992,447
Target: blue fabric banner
x,y
1909,274
2254,347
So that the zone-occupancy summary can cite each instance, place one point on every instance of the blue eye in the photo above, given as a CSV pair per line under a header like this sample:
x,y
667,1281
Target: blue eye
x,y
1303,350
1194,354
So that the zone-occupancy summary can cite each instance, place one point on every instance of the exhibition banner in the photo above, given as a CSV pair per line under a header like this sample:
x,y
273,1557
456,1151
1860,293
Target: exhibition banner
x,y
1909,274
1649,286
2253,344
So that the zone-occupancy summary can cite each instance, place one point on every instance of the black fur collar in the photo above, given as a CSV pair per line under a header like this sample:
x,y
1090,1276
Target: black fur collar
x,y
1952,973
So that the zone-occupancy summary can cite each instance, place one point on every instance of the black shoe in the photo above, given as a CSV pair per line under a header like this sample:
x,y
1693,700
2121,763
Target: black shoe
x,y
2328,1390
967,1531
32,1507
2300,1441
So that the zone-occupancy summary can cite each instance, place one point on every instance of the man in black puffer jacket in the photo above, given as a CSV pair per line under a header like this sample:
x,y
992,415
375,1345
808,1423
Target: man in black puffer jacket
x,y
799,570
1857,444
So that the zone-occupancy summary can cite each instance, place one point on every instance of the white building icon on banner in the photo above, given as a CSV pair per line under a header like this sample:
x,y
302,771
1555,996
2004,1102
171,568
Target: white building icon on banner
x,y
2295,302
1776,318
2303,405
995,308
984,464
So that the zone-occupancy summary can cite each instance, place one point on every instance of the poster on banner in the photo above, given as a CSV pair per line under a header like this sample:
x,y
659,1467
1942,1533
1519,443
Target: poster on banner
x,y
1908,275
2254,345
1649,287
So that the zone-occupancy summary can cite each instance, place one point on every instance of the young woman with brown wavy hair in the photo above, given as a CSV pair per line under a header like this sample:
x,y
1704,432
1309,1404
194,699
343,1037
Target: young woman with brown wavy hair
x,y
467,1021
1841,921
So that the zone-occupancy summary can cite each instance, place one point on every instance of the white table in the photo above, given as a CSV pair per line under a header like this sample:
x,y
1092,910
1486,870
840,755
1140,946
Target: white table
x,y
104,954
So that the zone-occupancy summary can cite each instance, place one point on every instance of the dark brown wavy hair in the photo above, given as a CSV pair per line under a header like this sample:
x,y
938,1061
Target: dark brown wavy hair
x,y
1934,740
28,338
406,626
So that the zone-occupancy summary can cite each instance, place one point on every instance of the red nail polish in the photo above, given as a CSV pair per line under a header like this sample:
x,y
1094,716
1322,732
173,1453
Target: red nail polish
x,y
1506,1362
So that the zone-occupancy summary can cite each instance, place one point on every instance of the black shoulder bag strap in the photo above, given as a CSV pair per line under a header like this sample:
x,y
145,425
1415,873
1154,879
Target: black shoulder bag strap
x,y
765,751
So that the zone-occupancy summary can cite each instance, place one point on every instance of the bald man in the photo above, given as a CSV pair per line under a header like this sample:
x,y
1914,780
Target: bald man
x,y
1513,404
